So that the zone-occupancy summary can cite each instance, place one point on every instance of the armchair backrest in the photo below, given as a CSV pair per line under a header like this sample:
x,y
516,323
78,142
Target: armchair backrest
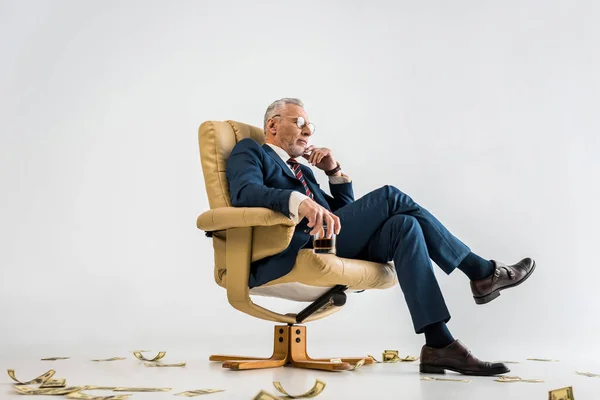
x,y
216,140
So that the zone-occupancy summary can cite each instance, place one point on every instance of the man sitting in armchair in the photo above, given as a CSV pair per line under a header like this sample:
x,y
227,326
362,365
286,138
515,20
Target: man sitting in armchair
x,y
384,225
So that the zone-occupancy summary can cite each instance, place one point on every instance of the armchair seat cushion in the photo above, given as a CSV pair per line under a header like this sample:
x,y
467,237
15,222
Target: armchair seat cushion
x,y
313,274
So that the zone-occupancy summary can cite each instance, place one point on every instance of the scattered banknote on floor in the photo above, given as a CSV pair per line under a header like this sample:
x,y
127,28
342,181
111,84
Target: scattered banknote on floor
x,y
36,381
543,359
318,387
263,395
85,396
90,387
390,356
565,393
431,378
147,364
159,356
409,358
55,358
508,362
47,391
54,383
140,389
508,378
194,393
588,374
111,359
374,359
358,365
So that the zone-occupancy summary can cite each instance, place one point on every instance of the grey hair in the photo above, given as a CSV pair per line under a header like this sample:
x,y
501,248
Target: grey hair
x,y
275,107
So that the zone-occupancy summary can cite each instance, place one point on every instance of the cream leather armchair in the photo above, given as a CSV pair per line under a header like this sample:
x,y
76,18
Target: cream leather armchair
x,y
242,235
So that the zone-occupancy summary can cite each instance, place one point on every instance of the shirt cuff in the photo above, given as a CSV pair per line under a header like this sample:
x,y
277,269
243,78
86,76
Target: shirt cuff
x,y
334,180
295,199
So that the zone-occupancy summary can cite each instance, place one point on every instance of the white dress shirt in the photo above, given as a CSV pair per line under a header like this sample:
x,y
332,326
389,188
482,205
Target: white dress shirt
x,y
297,197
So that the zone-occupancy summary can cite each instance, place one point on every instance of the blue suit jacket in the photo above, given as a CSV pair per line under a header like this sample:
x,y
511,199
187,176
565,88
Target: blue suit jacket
x,y
258,177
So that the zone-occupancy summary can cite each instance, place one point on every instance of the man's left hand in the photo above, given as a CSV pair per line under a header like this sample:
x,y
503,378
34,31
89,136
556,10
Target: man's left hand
x,y
320,157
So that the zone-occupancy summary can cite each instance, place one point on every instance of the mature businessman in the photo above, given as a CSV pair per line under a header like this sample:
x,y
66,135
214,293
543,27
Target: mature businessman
x,y
384,225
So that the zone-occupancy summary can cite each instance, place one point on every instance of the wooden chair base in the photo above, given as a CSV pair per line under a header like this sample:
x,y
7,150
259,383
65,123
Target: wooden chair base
x,y
289,347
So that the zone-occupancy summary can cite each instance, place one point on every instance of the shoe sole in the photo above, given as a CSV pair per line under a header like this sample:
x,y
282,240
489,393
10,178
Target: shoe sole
x,y
436,369
489,297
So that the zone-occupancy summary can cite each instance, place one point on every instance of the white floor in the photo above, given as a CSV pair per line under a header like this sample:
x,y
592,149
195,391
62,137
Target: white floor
x,y
379,381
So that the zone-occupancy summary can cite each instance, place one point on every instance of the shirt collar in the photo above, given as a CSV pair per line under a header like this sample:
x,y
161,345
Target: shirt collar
x,y
280,152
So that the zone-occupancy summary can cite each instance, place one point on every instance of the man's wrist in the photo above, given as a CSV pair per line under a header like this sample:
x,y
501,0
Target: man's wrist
x,y
337,171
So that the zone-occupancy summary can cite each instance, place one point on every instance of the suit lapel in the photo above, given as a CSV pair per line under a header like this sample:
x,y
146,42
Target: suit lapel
x,y
308,176
279,161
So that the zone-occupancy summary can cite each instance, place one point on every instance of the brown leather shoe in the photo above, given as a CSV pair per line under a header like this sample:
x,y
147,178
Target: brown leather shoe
x,y
504,277
456,357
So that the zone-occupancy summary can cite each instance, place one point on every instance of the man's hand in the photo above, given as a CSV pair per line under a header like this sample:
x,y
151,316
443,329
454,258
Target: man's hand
x,y
320,157
316,215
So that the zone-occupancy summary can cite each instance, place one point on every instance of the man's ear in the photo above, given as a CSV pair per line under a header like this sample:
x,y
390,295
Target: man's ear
x,y
271,126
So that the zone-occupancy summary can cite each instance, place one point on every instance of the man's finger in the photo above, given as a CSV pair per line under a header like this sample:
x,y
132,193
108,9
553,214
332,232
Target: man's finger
x,y
318,223
330,226
338,223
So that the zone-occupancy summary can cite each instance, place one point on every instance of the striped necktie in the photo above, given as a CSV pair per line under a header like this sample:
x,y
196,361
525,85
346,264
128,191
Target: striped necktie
x,y
298,172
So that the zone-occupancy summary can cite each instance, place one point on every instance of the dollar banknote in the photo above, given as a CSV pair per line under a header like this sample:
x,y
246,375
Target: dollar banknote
x,y
140,389
194,393
318,387
54,383
159,356
46,391
358,365
392,356
55,358
508,362
90,387
85,396
565,393
263,395
588,374
36,381
147,364
431,378
111,359
409,358
542,359
508,378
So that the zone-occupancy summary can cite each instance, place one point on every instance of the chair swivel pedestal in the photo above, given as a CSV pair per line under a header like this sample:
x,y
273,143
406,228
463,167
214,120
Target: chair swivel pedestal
x,y
289,347
289,342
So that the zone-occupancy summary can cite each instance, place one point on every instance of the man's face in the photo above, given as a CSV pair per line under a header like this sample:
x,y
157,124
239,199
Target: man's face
x,y
286,134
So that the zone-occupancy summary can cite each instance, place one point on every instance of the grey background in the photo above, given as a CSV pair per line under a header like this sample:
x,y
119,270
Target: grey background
x,y
484,112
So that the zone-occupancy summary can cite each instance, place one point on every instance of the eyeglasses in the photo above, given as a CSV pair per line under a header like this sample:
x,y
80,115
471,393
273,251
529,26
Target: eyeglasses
x,y
300,122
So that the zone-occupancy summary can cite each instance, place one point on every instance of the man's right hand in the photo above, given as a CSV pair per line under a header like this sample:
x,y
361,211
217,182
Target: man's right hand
x,y
317,215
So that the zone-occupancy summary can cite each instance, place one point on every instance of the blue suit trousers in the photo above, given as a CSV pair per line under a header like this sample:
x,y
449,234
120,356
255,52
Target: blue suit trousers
x,y
387,225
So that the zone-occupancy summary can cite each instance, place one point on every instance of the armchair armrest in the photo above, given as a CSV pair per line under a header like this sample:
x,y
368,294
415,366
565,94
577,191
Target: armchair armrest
x,y
240,217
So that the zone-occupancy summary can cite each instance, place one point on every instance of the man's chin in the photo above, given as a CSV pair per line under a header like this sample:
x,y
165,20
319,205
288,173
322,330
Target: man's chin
x,y
298,151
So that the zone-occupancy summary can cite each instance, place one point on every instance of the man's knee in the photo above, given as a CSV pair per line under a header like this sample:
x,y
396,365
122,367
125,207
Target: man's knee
x,y
392,192
405,224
